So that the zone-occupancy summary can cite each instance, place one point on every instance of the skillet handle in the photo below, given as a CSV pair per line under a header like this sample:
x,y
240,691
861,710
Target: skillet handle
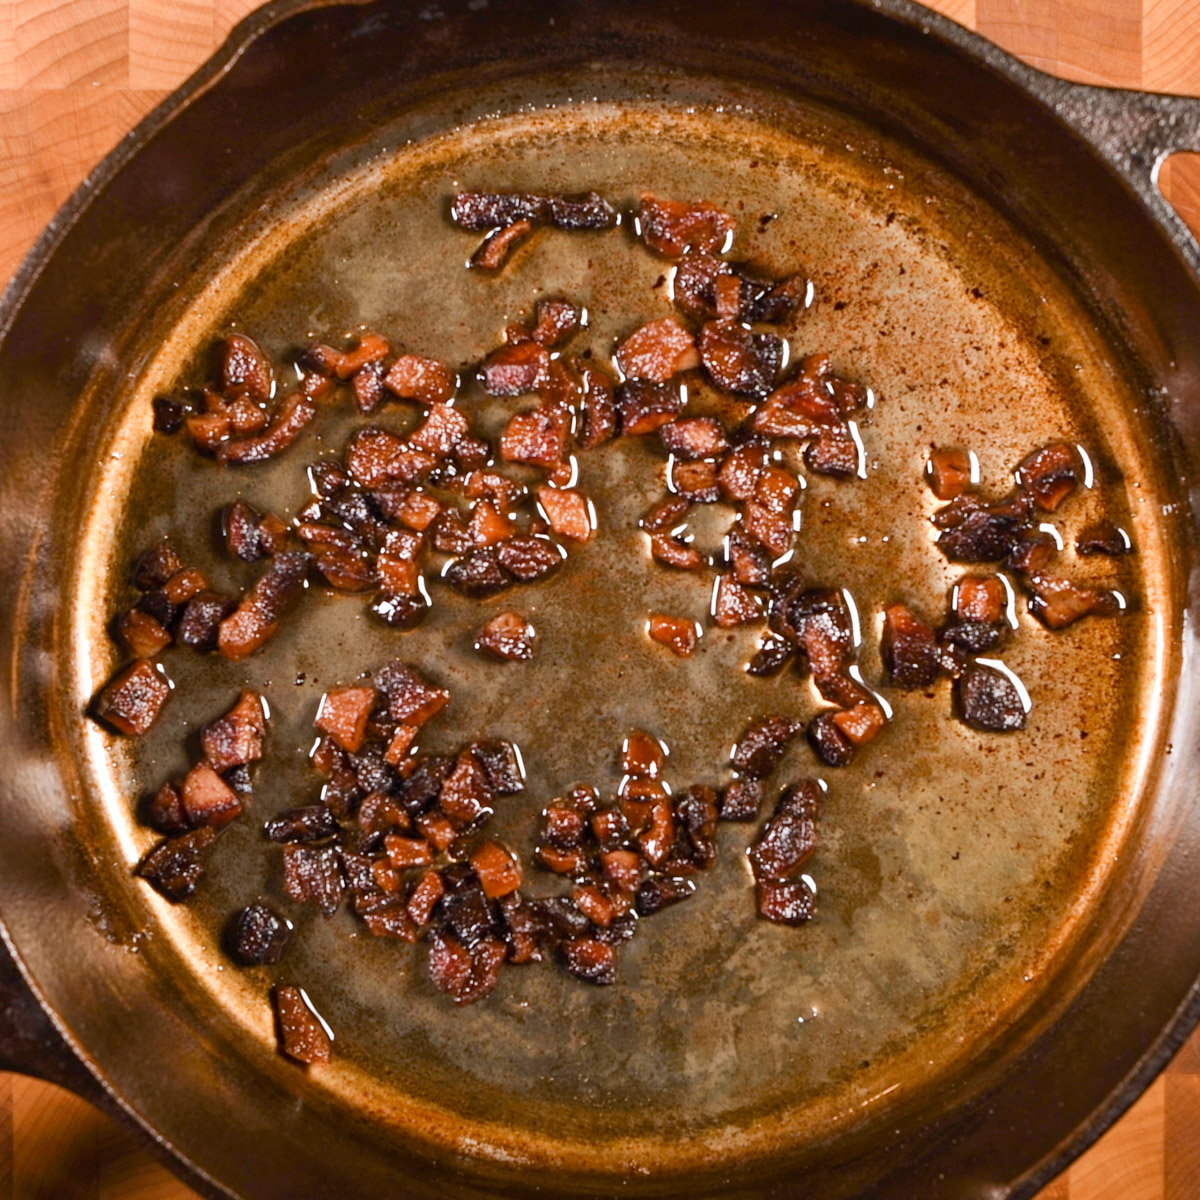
x,y
29,1042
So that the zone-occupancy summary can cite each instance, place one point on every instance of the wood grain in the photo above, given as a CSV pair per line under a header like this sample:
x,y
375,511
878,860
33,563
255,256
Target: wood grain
x,y
75,75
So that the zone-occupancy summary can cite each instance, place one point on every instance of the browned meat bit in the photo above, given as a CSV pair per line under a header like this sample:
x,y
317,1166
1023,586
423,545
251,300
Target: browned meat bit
x,y
144,636
771,657
697,814
679,635
976,532
538,438
466,795
200,624
257,936
789,838
345,364
480,212
164,811
425,380
773,530
405,852
590,960
568,513
818,621
175,866
314,823
529,558
987,699
694,437
508,636
1058,603
741,471
587,210
645,406
829,743
657,351
464,975
760,748
343,714
1032,551
367,384
131,701
695,481
980,598
661,892
155,567
424,898
739,361
313,875
168,414
834,453
554,322
245,372
860,723
493,252
598,410
791,903
950,471
236,738
1050,475
411,700
672,227
297,411
377,456
249,535
444,426
742,799
262,608
565,826
673,552
303,1036
1103,537
478,574
749,559
497,869
642,756
516,369
207,798
909,649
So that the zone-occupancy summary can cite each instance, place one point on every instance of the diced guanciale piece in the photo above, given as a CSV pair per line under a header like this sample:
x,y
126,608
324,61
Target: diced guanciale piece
x,y
424,898
642,756
676,633
497,868
949,472
516,370
443,428
245,371
661,891
508,636
988,700
483,211
411,699
313,823
773,654
1103,537
257,936
262,608
694,480
537,439
495,249
528,558
501,766
789,838
302,1034
590,960
236,738
737,360
760,748
673,552
909,648
164,811
1058,603
834,453
297,411
144,636
465,795
732,604
425,380
829,743
464,975
749,559
597,407
249,535
343,714
478,574
155,567
980,598
405,852
344,364
645,406
175,866
976,532
568,513
313,875
861,723
791,903
168,414
672,227
565,825
378,456
131,701
697,814
199,625
1050,475
693,437
207,798
657,351
742,799
818,620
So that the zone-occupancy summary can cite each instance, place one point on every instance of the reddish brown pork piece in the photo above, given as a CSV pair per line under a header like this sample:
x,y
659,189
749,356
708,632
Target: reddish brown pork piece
x,y
236,738
303,1036
263,607
508,636
657,351
343,714
676,633
949,472
131,701
672,227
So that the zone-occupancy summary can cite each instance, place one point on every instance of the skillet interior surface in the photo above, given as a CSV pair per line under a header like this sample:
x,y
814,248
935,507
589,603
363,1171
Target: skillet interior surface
x,y
965,881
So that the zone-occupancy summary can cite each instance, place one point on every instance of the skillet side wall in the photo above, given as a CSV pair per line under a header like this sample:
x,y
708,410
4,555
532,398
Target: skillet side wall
x,y
241,140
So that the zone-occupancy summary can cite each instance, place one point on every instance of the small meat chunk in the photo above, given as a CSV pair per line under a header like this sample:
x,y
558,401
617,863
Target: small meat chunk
x,y
144,636
478,574
480,212
155,567
465,795
694,437
860,723
1103,537
1050,475
303,1036
791,903
975,532
237,737
909,648
257,935
771,657
1058,603
245,372
516,369
131,701
249,535
199,626
425,380
569,513
645,406
829,743
672,227
662,891
590,960
262,608
679,635
657,351
732,604
313,823
642,755
297,411
207,798
537,439
789,838
313,875
949,472
980,598
737,360
377,456
988,700
696,813
529,558
411,699
508,636
597,407
464,975
496,247
760,748
695,481
176,865
501,764
497,869
742,799
443,428
343,714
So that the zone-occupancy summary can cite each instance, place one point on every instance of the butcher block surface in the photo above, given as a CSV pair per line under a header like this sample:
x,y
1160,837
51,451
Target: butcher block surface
x,y
76,75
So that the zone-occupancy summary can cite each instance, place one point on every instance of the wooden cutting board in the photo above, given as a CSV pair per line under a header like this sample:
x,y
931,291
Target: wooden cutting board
x,y
75,75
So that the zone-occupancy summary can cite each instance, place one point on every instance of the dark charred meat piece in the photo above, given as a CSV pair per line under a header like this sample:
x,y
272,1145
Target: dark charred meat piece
x,y
645,406
661,891
528,558
464,975
508,636
818,621
657,351
988,700
696,814
411,699
516,369
834,453
249,535
749,559
598,410
695,481
493,252
697,278
313,823
587,210
262,608
568,513
425,380
168,415
175,867
590,960
672,227
1033,551
480,212
478,574
742,799
302,1034
400,612
1058,603
163,810
1103,537
676,633
245,371
450,533
144,636
343,714
467,911
207,798
256,936
237,737
313,875
791,903
768,301
975,637
1050,475
155,567
789,838
975,532
732,604
420,790
738,361
131,701
831,746
693,437
949,472
297,411
471,453
773,654
909,648
760,748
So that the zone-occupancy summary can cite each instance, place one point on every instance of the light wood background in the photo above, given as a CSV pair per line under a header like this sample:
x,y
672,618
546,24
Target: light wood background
x,y
75,75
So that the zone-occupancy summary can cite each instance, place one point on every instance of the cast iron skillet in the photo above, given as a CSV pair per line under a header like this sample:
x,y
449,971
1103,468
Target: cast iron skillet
x,y
1071,166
